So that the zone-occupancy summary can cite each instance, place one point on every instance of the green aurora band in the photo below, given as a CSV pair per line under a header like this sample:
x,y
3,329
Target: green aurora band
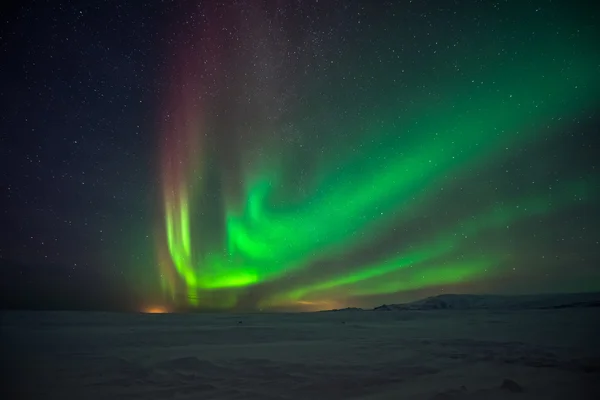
x,y
376,279
397,163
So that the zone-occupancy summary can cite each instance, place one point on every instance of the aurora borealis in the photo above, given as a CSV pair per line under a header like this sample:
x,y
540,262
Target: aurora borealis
x,y
303,155
288,163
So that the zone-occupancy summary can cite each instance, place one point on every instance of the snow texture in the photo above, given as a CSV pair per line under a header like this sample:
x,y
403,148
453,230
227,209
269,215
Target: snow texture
x,y
435,354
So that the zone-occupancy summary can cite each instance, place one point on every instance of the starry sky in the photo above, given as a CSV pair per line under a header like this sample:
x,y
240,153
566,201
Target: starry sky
x,y
296,155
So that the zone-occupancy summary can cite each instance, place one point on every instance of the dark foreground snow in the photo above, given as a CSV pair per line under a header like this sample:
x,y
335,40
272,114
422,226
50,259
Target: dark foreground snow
x,y
446,354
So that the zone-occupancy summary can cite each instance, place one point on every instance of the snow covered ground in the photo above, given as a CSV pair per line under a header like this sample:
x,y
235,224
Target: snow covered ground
x,y
436,354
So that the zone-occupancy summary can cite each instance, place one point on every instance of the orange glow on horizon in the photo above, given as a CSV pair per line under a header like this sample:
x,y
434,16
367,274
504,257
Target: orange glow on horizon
x,y
155,310
317,305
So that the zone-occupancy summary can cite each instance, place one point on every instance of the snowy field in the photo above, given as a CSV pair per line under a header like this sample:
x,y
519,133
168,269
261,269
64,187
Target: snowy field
x,y
445,354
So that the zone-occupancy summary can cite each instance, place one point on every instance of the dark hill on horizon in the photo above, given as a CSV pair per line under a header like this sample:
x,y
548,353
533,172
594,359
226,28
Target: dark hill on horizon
x,y
493,302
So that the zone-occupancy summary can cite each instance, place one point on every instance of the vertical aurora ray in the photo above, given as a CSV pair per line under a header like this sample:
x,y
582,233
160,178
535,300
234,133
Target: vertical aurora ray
x,y
178,166
181,147
244,220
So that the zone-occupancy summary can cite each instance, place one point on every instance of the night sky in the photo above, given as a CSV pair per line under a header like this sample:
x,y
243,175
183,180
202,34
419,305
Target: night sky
x,y
296,155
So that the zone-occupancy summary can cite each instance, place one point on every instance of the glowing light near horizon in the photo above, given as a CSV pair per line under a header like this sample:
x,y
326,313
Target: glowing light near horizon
x,y
155,310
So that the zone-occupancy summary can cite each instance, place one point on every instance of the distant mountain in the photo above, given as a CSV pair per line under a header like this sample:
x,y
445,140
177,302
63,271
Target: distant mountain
x,y
345,309
389,307
497,302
